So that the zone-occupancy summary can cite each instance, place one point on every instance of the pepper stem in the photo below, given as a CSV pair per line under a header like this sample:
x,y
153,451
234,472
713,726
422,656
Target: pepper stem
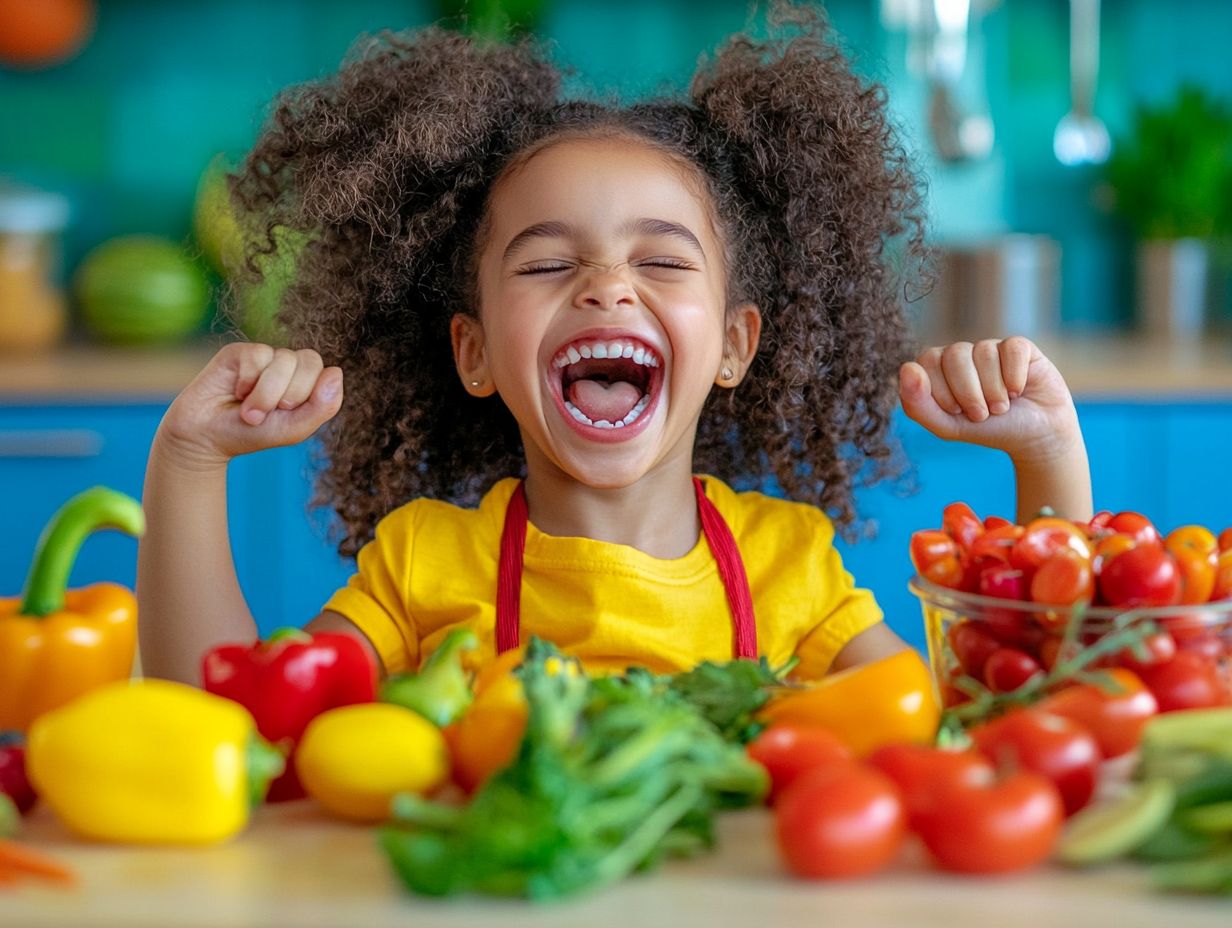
x,y
265,764
56,551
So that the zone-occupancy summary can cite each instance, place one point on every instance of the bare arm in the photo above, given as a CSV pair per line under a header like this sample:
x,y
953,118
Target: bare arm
x,y
249,397
875,642
1005,394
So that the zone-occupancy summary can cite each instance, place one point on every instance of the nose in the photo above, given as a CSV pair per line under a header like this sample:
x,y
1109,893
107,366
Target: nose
x,y
605,288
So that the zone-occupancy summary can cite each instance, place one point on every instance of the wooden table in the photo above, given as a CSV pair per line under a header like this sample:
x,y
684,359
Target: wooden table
x,y
295,867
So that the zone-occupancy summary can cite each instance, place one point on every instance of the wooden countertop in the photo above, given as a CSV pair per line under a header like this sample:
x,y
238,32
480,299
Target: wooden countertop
x,y
1096,367
294,867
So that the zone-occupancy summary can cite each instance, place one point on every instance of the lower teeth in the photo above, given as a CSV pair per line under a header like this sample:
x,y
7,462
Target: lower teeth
x,y
629,419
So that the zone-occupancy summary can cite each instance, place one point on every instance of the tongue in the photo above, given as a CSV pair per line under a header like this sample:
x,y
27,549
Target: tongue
x,y
599,400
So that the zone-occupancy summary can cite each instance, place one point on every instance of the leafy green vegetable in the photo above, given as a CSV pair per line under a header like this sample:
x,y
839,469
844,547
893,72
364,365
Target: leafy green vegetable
x,y
611,776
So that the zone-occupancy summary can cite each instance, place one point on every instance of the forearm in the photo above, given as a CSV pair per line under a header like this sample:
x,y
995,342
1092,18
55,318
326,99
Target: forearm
x,y
189,599
1061,482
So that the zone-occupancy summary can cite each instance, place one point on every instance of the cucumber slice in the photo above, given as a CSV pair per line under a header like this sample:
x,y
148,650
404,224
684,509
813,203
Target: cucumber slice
x,y
1213,819
1175,842
1110,829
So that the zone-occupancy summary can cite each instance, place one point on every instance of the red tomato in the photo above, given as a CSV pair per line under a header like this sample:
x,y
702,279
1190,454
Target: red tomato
x,y
1108,547
845,820
997,542
1225,539
1156,649
788,751
1189,681
1050,745
1145,575
993,826
1043,538
1114,718
1064,579
992,522
1098,526
1223,576
1009,668
1003,582
961,523
1135,524
934,555
917,770
972,643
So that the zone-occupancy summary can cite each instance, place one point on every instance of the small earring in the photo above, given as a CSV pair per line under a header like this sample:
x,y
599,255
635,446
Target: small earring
x,y
474,383
726,374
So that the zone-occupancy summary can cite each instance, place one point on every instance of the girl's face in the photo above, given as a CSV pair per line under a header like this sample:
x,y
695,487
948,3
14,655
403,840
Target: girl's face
x,y
602,322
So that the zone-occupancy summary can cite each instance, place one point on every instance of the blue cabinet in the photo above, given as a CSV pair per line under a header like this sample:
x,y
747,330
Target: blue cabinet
x,y
50,452
1166,459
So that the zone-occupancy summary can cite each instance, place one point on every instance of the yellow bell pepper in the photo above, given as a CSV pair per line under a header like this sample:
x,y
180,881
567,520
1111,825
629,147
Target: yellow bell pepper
x,y
150,762
887,701
57,644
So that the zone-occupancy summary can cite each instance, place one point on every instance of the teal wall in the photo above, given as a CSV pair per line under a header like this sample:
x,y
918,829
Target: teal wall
x,y
126,127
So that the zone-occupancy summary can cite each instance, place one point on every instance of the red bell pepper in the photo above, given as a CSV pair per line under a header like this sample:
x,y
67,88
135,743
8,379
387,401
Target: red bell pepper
x,y
286,682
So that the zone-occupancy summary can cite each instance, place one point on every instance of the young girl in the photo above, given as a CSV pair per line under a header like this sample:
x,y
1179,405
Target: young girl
x,y
600,301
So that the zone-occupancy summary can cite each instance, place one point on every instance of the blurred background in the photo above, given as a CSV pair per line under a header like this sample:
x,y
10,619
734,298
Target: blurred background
x,y
1079,170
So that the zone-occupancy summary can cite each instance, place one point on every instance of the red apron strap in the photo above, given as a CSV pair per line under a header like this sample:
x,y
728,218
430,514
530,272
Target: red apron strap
x,y
718,537
731,572
509,576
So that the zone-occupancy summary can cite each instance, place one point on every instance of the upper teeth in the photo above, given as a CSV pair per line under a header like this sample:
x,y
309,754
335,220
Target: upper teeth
x,y
640,354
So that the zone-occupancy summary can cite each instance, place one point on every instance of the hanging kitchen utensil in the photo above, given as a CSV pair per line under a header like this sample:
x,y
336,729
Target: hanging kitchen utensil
x,y
959,134
1081,137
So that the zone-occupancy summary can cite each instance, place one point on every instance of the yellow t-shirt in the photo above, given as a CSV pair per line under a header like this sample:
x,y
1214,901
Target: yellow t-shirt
x,y
432,567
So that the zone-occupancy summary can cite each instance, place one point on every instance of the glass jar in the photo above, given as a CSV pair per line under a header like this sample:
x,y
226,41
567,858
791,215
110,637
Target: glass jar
x,y
33,307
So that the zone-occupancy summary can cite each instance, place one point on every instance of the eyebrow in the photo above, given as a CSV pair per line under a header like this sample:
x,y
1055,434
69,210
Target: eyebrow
x,y
556,229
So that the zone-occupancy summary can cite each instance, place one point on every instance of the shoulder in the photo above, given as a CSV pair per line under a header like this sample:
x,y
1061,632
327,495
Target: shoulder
x,y
768,520
427,517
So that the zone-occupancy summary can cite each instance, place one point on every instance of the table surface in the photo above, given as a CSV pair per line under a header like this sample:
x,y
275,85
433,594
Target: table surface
x,y
295,867
1094,366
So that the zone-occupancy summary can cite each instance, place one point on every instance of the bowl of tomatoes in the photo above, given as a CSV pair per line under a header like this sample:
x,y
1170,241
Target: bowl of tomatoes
x,y
1009,606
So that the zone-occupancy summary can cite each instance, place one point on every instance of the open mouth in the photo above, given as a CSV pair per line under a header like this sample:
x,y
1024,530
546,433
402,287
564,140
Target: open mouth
x,y
609,383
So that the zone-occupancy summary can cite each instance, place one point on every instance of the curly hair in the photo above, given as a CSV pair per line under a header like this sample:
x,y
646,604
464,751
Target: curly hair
x,y
389,165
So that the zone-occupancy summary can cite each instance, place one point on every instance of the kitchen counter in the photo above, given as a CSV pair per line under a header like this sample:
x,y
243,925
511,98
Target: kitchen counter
x,y
295,867
1094,366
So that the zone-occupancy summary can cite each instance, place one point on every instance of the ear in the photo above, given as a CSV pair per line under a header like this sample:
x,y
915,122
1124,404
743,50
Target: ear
x,y
742,335
469,354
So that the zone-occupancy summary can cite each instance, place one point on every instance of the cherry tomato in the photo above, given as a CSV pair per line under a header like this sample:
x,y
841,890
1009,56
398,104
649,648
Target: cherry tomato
x,y
1114,717
1223,576
1009,668
917,770
1145,575
1135,524
13,780
1109,547
1197,575
997,542
844,820
1043,538
1064,579
1155,649
1188,681
1099,523
788,751
934,555
972,643
1050,745
961,523
994,522
995,826
1225,539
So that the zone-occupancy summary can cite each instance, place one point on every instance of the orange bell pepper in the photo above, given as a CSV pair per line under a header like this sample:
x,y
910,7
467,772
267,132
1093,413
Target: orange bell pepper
x,y
887,701
56,644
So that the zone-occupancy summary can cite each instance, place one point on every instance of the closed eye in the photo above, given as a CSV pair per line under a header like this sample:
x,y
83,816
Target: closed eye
x,y
544,270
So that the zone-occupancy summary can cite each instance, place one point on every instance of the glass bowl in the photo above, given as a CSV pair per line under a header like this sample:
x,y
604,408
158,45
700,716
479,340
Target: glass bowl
x,y
1039,631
